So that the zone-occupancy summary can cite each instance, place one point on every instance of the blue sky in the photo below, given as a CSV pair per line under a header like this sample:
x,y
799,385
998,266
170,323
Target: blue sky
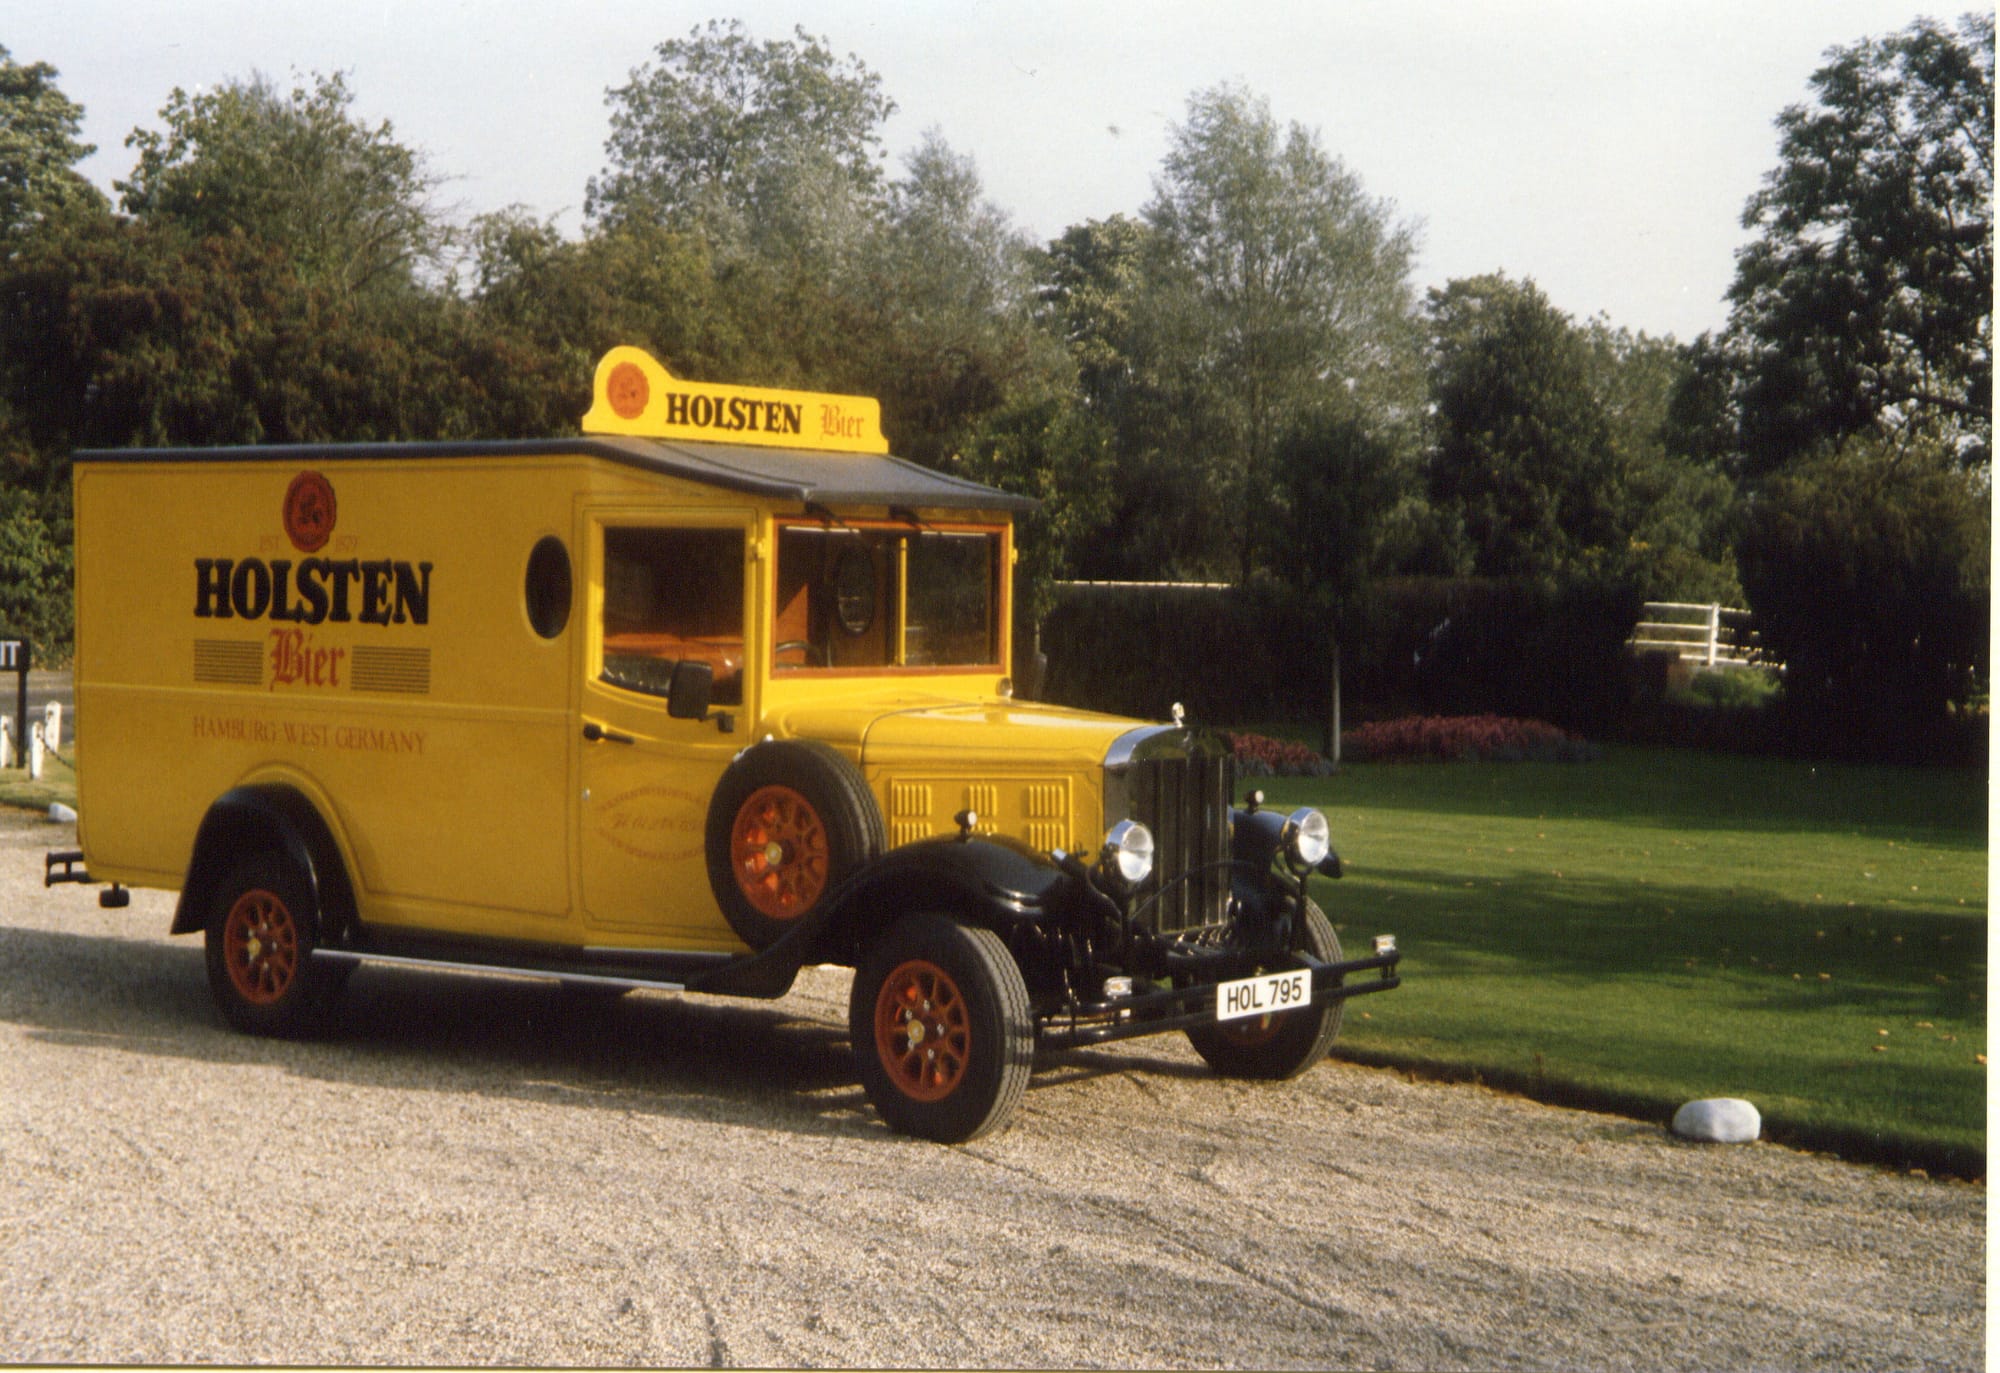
x,y
1603,149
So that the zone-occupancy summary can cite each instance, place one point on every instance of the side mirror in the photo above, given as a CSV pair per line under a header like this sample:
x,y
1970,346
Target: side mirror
x,y
689,689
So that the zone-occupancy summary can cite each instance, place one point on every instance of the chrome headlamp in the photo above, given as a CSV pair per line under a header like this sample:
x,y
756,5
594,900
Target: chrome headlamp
x,y
1128,851
1308,838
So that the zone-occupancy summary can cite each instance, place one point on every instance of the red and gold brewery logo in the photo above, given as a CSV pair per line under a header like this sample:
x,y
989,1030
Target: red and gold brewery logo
x,y
309,512
627,391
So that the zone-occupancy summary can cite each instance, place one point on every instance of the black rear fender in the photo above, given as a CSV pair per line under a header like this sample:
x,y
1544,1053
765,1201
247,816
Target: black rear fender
x,y
267,818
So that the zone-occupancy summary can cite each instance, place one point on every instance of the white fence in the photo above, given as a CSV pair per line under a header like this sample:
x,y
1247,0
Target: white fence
x,y
1711,635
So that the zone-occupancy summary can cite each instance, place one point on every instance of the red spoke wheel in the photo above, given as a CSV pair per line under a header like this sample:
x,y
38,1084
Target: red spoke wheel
x,y
943,1033
260,946
779,852
1275,1047
262,927
790,822
922,1031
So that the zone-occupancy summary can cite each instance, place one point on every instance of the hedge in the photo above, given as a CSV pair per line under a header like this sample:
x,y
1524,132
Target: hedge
x,y
1408,646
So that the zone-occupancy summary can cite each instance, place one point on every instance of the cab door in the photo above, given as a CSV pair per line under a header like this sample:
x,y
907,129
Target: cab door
x,y
663,589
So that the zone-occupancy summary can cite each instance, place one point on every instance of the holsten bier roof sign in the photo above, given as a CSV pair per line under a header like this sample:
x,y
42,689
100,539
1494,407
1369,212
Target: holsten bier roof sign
x,y
634,394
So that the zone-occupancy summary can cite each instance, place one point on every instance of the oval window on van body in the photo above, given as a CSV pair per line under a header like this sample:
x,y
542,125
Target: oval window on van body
x,y
548,588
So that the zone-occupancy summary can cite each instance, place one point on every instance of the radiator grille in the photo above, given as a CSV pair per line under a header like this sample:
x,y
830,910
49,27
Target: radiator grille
x,y
1185,803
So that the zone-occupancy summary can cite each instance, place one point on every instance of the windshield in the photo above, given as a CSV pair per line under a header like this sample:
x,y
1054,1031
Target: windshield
x,y
860,597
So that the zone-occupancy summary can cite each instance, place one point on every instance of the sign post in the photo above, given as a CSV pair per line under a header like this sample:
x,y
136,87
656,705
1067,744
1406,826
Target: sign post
x,y
14,658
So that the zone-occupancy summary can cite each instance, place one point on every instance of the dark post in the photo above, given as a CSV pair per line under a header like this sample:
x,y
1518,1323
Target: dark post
x,y
1333,718
14,658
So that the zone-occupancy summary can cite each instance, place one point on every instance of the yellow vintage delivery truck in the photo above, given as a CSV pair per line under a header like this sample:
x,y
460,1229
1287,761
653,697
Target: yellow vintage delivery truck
x,y
712,692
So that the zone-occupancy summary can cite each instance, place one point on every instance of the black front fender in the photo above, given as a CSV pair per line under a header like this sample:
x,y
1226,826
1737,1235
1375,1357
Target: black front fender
x,y
996,883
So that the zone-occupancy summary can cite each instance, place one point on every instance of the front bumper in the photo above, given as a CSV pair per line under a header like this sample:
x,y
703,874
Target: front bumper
x,y
1185,1008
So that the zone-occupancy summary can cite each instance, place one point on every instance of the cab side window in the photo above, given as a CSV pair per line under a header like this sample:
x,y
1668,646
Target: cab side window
x,y
670,595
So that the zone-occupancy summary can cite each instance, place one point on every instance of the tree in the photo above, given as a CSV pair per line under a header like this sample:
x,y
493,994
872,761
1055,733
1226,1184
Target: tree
x,y
1869,578
1865,301
767,155
823,272
36,560
1341,482
132,334
1524,454
347,205
1049,448
946,331
1555,447
1087,284
1275,282
1680,504
39,149
1160,517
637,282
721,126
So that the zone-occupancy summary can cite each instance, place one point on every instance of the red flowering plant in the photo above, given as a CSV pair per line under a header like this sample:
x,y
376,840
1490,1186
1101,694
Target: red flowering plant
x,y
1258,755
1464,738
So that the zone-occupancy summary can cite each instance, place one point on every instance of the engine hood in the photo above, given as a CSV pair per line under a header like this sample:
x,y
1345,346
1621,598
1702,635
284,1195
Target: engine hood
x,y
991,733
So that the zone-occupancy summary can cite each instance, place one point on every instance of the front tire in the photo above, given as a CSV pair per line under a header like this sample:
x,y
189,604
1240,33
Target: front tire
x,y
1277,1047
943,1033
261,933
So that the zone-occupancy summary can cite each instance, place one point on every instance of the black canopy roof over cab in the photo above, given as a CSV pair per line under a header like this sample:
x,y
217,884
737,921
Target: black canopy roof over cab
x,y
804,475
819,478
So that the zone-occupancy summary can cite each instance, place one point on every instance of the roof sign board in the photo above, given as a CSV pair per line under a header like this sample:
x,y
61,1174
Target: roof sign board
x,y
635,395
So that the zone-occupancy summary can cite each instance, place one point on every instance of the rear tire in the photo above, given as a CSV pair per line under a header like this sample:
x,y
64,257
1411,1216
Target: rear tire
x,y
943,1033
261,933
1276,1047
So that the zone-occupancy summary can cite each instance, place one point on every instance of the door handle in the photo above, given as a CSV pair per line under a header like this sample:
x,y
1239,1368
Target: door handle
x,y
595,733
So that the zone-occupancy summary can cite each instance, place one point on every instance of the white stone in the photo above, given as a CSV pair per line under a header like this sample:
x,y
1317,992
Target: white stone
x,y
59,814
1720,1120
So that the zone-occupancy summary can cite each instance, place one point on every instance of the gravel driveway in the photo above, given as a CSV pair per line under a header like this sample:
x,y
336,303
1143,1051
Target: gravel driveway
x,y
480,1170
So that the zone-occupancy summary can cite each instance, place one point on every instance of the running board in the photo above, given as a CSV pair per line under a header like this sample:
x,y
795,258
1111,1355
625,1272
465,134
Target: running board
x,y
396,960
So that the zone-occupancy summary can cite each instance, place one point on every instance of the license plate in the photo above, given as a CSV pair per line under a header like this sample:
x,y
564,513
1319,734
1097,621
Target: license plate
x,y
1264,995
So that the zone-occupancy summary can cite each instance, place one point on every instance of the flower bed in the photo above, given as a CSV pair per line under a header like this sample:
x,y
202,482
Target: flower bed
x,y
1464,738
1258,755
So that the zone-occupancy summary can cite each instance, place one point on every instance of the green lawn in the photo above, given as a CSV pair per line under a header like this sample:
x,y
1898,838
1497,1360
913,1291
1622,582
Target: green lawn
x,y
57,783
1658,926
